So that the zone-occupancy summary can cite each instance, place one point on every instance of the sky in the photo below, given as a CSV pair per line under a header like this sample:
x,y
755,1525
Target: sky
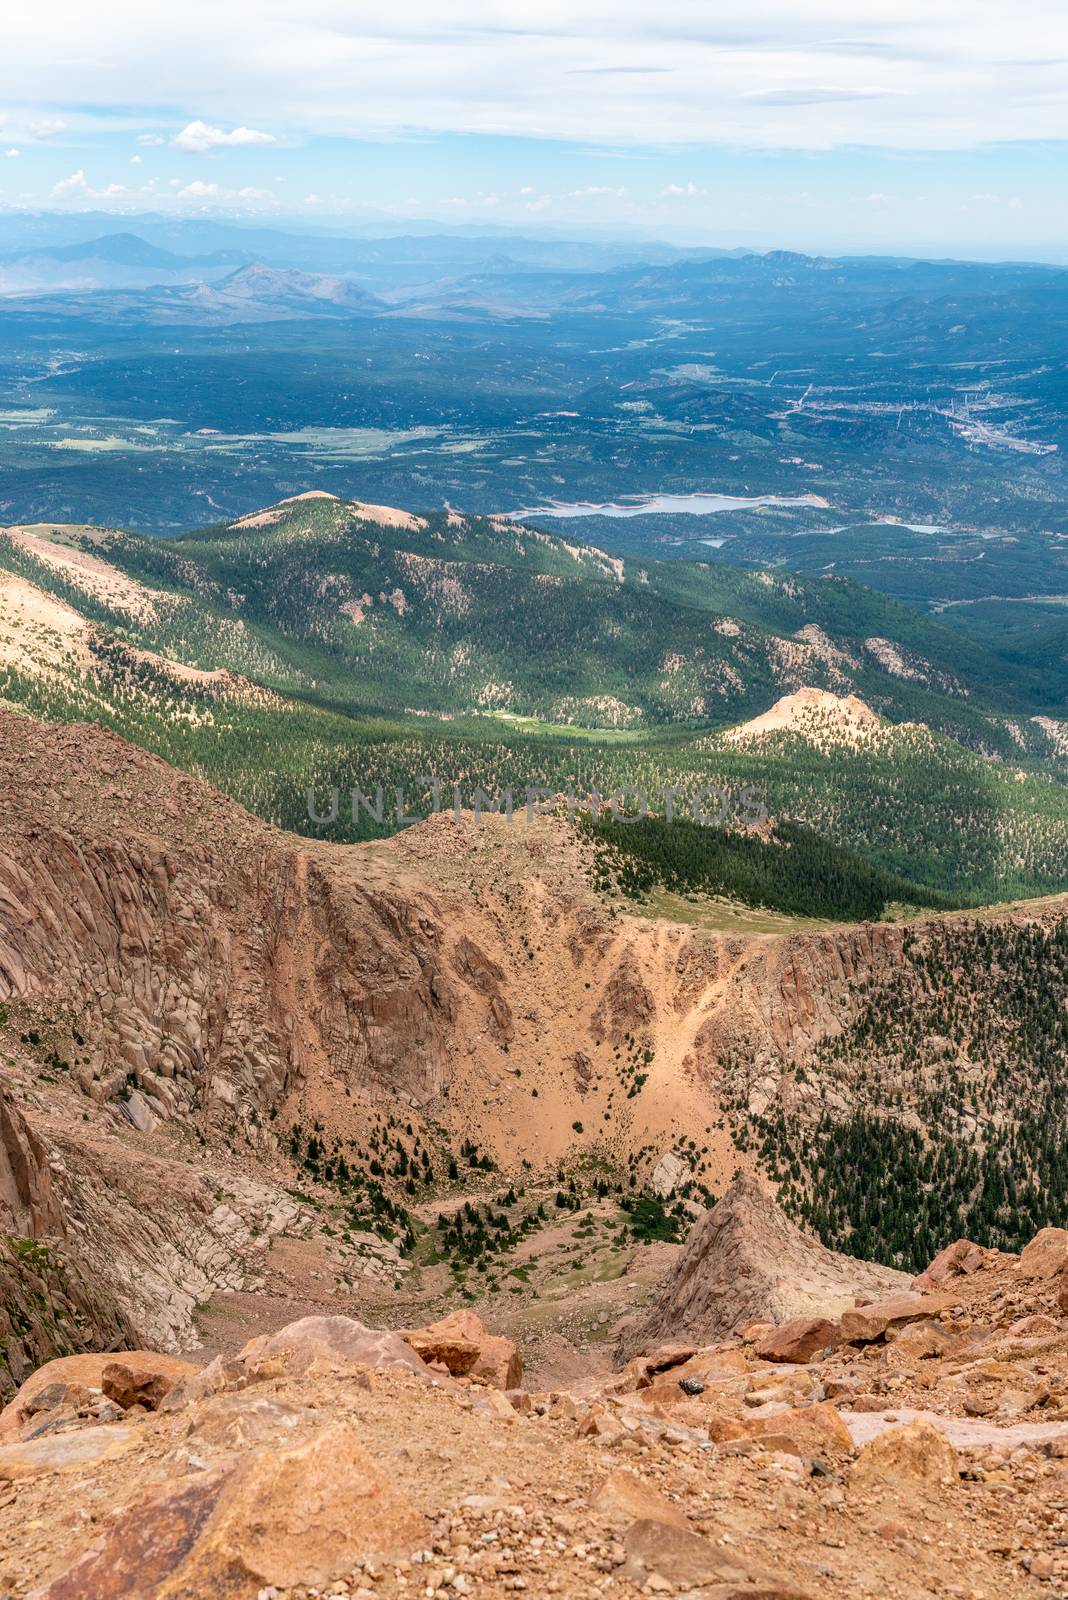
x,y
909,126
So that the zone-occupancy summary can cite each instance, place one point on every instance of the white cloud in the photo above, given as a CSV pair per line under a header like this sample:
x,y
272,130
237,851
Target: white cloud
x,y
596,191
1011,202
201,137
77,186
151,138
12,154
905,74
681,191
476,202
135,161
199,191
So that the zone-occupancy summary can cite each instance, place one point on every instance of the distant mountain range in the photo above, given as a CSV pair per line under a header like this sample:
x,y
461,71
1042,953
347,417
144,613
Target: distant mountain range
x,y
118,260
495,277
211,294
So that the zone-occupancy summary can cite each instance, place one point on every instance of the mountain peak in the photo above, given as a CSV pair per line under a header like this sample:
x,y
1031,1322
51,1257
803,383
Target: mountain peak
x,y
812,713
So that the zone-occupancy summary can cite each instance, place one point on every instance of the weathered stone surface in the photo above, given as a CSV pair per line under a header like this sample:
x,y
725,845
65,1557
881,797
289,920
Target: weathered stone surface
x,y
666,1356
29,1205
798,1340
77,1447
50,1304
277,1518
684,1558
669,1172
815,1430
446,1350
920,1341
1047,1254
624,1498
248,1419
959,1259
293,1348
916,1457
130,1381
865,1324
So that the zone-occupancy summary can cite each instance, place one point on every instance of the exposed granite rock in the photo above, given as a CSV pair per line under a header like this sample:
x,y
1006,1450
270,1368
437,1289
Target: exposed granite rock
x,y
744,1259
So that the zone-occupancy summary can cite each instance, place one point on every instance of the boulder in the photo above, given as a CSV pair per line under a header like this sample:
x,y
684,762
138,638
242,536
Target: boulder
x,y
916,1458
666,1356
444,1350
294,1348
745,1261
798,1340
959,1259
919,1341
624,1498
865,1324
75,1447
670,1171
276,1519
686,1559
460,1342
247,1420
87,1372
806,1431
1047,1254
131,1382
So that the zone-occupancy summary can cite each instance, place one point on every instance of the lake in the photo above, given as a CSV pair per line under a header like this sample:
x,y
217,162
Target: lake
x,y
693,505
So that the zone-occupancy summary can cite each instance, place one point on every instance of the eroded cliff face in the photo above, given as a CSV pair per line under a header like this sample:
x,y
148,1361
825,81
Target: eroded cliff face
x,y
181,985
212,971
48,1303
29,1205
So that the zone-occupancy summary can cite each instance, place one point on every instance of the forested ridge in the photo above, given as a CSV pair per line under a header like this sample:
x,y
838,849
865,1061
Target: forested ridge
x,y
954,1072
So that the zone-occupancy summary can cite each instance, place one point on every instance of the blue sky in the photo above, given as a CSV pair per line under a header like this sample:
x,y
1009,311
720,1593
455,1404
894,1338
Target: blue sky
x,y
812,124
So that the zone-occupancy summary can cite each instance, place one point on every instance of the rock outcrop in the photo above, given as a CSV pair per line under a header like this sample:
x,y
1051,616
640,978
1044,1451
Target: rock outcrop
x,y
48,1308
745,1260
49,1304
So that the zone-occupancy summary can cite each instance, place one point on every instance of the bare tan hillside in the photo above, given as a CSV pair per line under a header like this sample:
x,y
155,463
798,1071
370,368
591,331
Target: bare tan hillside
x,y
815,714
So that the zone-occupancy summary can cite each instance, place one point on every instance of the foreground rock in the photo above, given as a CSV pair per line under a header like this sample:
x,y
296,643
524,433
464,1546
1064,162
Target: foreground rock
x,y
799,1339
302,1344
915,1459
744,1261
330,1458
277,1518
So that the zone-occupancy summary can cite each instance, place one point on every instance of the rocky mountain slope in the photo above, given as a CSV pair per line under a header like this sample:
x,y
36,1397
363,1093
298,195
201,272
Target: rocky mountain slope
x,y
263,1097
433,1064
909,1446
360,605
